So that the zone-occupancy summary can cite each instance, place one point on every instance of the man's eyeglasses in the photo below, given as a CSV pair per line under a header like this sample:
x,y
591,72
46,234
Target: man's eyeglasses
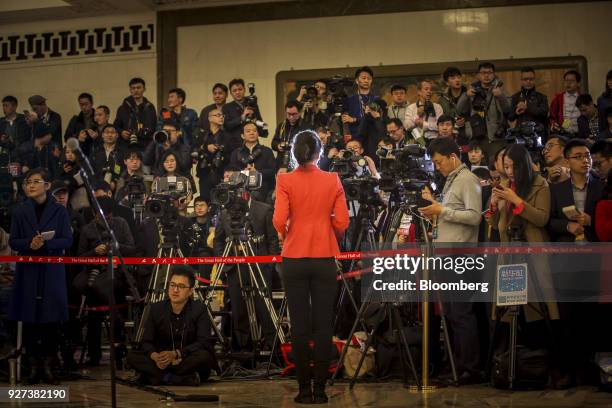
x,y
180,286
549,146
581,157
33,182
219,115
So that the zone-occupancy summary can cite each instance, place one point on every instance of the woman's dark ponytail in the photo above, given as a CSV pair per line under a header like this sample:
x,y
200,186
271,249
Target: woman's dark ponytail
x,y
306,147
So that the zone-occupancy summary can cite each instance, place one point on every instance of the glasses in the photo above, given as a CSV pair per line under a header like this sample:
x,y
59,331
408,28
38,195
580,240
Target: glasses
x,y
180,286
549,146
487,72
33,182
219,115
581,157
528,79
293,114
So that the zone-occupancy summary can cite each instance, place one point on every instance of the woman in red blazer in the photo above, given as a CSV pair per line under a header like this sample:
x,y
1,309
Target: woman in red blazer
x,y
310,212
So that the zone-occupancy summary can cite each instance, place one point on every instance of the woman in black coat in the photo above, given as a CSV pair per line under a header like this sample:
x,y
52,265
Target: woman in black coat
x,y
39,228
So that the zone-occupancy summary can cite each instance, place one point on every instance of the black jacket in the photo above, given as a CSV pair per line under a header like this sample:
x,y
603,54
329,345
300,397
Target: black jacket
x,y
285,132
203,122
93,235
265,163
371,131
561,195
233,121
584,130
537,107
138,119
230,142
260,216
196,336
76,125
54,122
27,155
114,164
19,130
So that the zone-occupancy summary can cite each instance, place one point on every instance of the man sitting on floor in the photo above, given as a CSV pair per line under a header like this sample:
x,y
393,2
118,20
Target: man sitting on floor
x,y
177,345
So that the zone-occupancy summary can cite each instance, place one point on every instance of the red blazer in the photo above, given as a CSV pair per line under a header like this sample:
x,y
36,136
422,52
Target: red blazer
x,y
603,227
312,202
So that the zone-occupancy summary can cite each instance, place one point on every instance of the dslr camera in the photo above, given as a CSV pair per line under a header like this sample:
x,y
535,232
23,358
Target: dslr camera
x,y
207,160
347,163
251,99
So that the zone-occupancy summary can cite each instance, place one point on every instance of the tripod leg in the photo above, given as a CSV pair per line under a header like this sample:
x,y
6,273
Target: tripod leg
x,y
275,342
358,320
449,349
512,354
398,326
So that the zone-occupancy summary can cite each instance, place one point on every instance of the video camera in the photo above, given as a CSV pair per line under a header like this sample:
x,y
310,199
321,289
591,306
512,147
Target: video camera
x,y
409,169
337,88
207,160
347,163
362,189
528,134
166,198
229,194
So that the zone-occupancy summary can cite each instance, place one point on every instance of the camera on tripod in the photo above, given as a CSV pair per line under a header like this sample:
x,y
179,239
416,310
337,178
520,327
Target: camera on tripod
x,y
528,134
347,163
408,168
363,189
229,193
136,191
166,198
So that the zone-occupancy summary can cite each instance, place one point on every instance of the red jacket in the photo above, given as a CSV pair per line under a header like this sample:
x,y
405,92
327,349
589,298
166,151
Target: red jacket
x,y
312,202
556,110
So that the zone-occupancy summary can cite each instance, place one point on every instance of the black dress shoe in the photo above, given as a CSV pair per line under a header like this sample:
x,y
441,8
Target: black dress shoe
x,y
304,395
465,378
47,372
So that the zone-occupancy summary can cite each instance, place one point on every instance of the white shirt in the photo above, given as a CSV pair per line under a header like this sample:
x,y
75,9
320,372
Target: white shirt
x,y
570,110
430,126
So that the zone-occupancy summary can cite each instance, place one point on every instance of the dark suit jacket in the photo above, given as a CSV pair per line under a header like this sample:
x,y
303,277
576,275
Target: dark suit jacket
x,y
233,121
157,336
562,196
260,215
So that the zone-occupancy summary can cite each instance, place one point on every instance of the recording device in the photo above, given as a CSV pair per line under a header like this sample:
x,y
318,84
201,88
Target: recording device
x,y
136,191
528,134
347,164
207,160
228,194
165,199
428,108
478,89
337,86
161,137
310,95
249,158
406,170
378,105
363,189
251,99
335,139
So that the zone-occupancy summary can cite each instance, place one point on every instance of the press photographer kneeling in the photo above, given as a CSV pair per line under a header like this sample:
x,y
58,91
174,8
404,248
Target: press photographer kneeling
x,y
176,346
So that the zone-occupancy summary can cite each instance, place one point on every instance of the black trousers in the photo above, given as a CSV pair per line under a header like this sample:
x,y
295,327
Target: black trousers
x,y
199,361
41,340
310,286
240,315
463,323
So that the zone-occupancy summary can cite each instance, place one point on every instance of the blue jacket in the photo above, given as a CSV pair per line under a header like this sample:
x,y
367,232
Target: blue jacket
x,y
353,107
39,290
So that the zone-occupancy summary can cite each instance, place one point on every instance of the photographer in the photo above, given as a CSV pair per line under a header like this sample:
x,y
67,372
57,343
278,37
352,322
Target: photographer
x,y
70,176
107,162
14,129
133,168
284,134
241,109
399,103
177,348
254,156
529,105
136,118
39,152
486,106
42,114
601,152
330,149
372,126
94,282
185,118
168,139
39,228
196,234
588,121
169,168
457,219
446,126
396,134
355,105
219,93
83,126
214,148
355,147
102,118
262,230
449,99
422,116
314,108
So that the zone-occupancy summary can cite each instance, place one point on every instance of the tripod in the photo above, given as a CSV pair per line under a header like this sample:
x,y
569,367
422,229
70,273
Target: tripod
x,y
367,232
241,244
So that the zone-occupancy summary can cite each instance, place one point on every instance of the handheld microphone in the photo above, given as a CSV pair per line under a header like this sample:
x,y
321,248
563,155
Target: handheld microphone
x,y
74,145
